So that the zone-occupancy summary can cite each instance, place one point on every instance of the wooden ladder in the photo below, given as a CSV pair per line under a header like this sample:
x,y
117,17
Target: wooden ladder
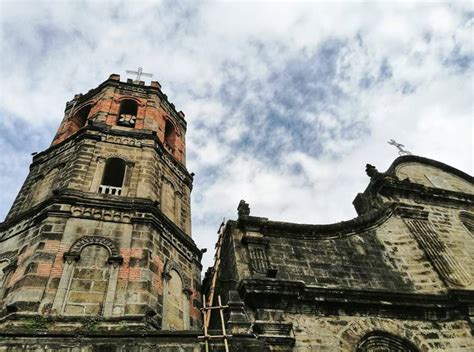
x,y
207,304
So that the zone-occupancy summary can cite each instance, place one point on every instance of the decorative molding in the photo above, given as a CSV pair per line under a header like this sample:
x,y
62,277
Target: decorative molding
x,y
76,249
342,229
412,212
296,297
122,140
467,219
172,265
440,255
380,340
101,214
133,89
169,162
106,156
10,258
16,229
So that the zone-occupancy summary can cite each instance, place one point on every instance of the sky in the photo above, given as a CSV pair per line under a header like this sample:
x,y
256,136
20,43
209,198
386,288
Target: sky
x,y
285,102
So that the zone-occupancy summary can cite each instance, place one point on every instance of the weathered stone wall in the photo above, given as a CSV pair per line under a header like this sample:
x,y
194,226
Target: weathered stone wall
x,y
80,166
431,176
71,250
344,333
386,257
40,250
400,276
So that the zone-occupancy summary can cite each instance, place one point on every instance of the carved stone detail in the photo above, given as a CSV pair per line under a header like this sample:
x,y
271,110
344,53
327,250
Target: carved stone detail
x,y
440,255
10,258
101,214
171,265
467,220
169,162
82,242
125,158
14,230
122,140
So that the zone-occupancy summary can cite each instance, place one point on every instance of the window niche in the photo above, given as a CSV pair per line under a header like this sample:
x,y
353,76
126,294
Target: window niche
x,y
128,113
170,136
89,279
176,298
113,177
79,119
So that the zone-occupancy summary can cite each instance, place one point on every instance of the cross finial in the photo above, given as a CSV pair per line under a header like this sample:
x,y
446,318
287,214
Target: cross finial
x,y
399,146
139,73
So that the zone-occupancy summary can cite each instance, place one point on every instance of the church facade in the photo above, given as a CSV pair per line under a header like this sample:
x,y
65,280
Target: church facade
x,y
96,253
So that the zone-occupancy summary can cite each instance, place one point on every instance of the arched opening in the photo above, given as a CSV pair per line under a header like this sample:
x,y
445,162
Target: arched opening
x,y
128,113
90,279
379,341
112,179
79,119
175,306
170,136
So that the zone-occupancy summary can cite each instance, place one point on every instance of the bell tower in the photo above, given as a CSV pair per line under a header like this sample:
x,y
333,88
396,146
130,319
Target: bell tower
x,y
101,227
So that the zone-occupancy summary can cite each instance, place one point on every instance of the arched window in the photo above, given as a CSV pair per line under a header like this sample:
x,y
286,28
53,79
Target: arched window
x,y
7,266
175,300
170,136
128,113
379,341
88,288
467,220
112,179
89,278
79,119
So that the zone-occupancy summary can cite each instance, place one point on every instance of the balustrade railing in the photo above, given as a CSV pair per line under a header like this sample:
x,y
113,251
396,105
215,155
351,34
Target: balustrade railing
x,y
116,191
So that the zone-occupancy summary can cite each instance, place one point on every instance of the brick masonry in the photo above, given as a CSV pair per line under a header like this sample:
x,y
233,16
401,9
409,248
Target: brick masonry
x,y
77,258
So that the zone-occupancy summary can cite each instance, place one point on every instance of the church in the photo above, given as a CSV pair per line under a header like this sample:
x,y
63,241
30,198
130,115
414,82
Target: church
x,y
97,254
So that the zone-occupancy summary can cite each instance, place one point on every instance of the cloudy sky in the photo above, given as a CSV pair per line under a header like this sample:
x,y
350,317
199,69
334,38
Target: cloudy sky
x,y
285,102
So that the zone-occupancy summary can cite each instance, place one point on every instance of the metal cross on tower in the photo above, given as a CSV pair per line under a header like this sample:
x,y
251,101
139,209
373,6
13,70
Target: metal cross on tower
x,y
139,73
399,146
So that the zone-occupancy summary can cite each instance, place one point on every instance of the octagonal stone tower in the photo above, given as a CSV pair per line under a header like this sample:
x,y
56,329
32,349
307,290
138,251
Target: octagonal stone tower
x,y
101,228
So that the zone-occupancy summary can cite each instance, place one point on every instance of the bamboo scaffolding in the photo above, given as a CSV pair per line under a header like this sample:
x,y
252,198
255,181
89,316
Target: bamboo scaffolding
x,y
207,304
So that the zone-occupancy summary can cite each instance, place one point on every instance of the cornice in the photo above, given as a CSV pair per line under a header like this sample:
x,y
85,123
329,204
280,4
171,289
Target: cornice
x,y
295,296
389,186
315,231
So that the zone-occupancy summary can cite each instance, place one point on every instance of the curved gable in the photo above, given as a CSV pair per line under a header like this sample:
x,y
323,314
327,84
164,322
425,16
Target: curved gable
x,y
432,174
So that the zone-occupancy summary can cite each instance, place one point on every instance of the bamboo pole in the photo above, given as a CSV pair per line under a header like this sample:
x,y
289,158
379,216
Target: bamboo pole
x,y
221,313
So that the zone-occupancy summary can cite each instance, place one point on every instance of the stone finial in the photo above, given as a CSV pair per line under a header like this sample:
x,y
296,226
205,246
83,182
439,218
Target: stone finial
x,y
155,84
243,209
114,77
371,171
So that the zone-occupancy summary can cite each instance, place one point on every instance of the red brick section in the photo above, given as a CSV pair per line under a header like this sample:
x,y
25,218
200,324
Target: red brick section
x,y
105,108
124,268
44,269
